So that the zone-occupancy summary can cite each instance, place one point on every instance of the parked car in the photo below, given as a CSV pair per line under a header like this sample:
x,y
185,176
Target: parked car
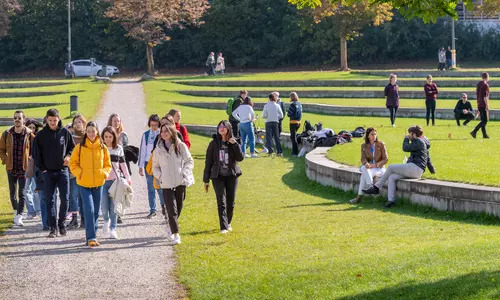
x,y
89,67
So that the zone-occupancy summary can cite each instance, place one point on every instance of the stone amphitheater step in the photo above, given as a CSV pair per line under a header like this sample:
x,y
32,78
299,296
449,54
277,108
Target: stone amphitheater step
x,y
455,95
335,110
336,83
21,85
34,94
9,122
423,74
24,105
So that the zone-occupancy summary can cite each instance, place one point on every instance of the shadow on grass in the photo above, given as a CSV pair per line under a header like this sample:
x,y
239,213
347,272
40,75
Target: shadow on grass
x,y
482,285
296,179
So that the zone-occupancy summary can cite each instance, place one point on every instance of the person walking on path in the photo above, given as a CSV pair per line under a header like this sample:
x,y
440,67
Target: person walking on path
x,y
373,160
54,147
210,64
235,124
15,147
272,113
463,110
146,148
448,56
119,170
282,106
75,202
483,105
173,166
221,166
116,122
221,65
91,164
246,116
295,115
441,59
176,114
391,93
413,168
431,92
33,206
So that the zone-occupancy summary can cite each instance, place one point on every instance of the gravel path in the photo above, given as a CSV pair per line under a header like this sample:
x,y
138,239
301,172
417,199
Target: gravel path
x,y
139,265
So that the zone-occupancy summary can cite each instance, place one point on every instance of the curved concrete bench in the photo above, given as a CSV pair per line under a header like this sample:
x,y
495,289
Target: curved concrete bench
x,y
336,83
336,110
442,195
434,73
454,95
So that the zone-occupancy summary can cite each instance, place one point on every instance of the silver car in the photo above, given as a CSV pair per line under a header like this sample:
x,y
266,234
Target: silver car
x,y
89,67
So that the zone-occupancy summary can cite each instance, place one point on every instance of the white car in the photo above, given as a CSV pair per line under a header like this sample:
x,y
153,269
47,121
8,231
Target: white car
x,y
89,67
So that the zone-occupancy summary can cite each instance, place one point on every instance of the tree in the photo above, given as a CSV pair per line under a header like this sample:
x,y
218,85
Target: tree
x,y
149,20
428,10
350,20
490,8
8,8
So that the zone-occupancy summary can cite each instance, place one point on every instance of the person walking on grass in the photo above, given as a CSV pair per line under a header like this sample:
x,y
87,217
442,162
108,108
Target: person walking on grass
x,y
295,115
33,206
373,160
173,166
75,202
448,56
91,165
282,106
15,147
483,105
119,170
246,116
221,166
176,114
463,110
441,59
431,92
391,93
221,65
54,147
235,124
417,145
210,64
146,148
272,113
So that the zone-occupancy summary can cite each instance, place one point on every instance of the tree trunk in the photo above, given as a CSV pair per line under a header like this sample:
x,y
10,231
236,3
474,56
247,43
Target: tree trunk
x,y
343,54
151,61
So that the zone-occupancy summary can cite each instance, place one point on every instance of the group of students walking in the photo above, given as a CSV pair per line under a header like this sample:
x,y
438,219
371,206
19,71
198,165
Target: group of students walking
x,y
463,108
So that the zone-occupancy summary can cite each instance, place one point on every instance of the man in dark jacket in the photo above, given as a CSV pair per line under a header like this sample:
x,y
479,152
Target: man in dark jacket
x,y
448,58
282,106
483,105
295,115
463,110
54,146
235,124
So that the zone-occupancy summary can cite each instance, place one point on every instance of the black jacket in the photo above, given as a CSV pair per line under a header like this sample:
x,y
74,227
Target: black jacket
x,y
419,153
295,111
52,146
461,106
212,159
282,106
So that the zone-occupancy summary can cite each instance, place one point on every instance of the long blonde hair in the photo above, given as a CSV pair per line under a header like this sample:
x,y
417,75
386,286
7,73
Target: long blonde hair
x,y
110,123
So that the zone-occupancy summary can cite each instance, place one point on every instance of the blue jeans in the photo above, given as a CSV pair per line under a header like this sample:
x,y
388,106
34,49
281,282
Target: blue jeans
x,y
152,194
51,181
44,206
246,131
107,205
73,195
91,201
32,199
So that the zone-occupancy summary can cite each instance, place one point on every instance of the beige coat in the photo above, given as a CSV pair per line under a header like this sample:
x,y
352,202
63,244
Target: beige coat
x,y
171,169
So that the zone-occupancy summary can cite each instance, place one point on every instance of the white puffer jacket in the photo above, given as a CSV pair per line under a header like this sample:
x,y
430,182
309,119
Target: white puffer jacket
x,y
171,169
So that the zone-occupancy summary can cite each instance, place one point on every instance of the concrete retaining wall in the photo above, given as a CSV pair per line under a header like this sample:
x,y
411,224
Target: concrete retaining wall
x,y
441,195
23,105
441,113
33,94
423,74
21,85
338,83
339,94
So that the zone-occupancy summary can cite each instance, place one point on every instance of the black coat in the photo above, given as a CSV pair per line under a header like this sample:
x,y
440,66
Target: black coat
x,y
52,146
212,159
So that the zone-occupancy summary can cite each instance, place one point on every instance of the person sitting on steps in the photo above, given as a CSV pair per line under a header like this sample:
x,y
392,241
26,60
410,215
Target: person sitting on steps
x,y
463,110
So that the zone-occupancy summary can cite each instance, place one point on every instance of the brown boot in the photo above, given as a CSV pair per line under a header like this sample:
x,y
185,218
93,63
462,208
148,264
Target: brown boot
x,y
356,200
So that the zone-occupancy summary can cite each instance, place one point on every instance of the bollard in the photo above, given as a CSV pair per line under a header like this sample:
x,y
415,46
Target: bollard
x,y
73,104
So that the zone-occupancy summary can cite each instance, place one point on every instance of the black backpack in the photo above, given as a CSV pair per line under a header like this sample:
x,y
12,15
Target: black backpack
x,y
358,132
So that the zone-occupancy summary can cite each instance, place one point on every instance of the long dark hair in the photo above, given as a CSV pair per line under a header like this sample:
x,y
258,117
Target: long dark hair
x,y
229,129
367,135
248,101
173,135
111,130
91,124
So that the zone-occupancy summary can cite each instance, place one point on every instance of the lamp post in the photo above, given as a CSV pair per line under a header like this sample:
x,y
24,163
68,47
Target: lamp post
x,y
453,49
69,31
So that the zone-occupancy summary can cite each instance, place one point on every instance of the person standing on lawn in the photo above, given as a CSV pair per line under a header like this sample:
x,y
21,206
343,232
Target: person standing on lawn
x,y
15,149
221,166
391,93
282,106
246,116
418,147
463,110
483,105
176,114
75,202
235,124
448,58
431,91
295,115
442,59
54,147
91,165
272,113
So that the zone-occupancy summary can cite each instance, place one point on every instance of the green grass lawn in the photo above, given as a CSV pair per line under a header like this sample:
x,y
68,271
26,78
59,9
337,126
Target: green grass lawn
x,y
295,239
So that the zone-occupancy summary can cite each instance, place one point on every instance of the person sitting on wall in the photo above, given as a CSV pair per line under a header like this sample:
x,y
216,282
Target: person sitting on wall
x,y
463,110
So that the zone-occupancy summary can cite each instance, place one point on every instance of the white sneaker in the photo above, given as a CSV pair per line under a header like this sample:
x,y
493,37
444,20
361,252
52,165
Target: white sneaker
x,y
254,155
105,228
224,231
112,234
264,150
176,239
247,155
229,227
18,220
393,125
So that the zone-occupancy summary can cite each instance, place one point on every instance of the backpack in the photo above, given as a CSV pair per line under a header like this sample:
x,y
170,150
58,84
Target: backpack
x,y
358,132
229,106
308,126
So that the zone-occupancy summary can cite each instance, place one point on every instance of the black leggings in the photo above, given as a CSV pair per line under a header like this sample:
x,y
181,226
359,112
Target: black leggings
x,y
430,107
393,111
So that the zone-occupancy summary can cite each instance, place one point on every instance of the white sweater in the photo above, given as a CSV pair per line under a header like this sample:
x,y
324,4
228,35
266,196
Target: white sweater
x,y
272,112
244,113
171,169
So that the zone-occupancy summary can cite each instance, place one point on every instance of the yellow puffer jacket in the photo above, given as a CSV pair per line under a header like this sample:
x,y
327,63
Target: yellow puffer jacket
x,y
90,164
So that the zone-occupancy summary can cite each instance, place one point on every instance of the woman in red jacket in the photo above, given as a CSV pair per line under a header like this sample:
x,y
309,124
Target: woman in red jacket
x,y
431,91
176,114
